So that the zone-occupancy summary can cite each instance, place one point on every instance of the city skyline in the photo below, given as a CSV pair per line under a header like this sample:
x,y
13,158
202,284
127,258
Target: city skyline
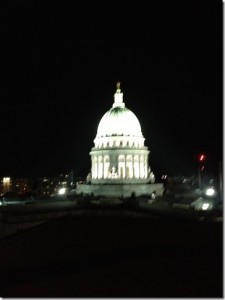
x,y
60,69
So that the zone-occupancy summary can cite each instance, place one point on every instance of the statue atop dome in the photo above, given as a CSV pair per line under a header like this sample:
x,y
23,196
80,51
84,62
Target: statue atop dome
x,y
118,87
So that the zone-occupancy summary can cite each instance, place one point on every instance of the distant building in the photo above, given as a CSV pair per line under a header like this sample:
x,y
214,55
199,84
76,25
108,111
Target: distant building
x,y
119,158
17,185
48,186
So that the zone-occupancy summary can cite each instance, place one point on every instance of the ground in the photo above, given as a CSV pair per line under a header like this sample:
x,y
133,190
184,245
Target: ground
x,y
114,254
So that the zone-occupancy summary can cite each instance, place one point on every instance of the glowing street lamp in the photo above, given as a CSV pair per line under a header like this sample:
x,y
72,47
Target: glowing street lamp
x,y
62,191
200,169
210,192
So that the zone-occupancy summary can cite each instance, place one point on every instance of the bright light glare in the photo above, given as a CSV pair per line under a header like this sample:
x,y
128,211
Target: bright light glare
x,y
205,206
210,192
62,191
6,180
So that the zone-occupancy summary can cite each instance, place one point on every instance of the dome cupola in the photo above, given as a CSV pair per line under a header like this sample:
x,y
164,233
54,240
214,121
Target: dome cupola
x,y
119,120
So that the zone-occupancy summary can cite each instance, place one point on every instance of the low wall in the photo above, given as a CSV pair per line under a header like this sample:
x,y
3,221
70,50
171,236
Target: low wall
x,y
123,190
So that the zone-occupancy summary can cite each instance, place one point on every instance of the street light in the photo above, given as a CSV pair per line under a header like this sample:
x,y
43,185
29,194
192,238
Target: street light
x,y
200,169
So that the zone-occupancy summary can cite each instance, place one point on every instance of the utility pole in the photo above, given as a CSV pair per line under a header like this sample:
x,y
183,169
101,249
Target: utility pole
x,y
220,179
71,180
200,169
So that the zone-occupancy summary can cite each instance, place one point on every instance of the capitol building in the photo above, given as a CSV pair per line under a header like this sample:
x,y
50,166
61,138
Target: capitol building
x,y
119,158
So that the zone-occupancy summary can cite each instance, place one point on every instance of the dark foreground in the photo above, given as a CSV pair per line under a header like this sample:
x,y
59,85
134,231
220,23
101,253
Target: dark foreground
x,y
114,255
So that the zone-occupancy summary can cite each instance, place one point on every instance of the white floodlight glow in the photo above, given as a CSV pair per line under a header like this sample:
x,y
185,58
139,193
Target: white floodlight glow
x,y
62,191
205,206
210,192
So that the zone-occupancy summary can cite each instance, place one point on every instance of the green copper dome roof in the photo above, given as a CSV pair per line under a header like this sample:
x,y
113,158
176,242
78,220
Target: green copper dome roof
x,y
119,120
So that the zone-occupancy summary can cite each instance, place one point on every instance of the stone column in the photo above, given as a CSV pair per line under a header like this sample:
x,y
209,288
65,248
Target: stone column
x,y
139,163
133,165
146,166
103,166
92,167
125,163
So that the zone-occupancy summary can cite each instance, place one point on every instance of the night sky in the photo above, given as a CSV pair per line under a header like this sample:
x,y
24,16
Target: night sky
x,y
60,62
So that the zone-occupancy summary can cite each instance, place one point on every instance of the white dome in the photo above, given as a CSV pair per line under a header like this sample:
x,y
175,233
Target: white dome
x,y
119,120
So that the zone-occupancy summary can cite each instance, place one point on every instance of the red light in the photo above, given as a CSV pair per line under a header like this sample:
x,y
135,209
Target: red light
x,y
202,157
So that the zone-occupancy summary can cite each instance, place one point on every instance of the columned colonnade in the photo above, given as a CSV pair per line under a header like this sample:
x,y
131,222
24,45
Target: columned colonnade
x,y
120,166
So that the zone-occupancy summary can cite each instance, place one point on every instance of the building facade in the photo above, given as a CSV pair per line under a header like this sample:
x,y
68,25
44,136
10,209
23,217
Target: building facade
x,y
119,156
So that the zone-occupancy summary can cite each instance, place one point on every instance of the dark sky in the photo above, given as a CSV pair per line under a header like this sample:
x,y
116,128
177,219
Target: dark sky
x,y
60,62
